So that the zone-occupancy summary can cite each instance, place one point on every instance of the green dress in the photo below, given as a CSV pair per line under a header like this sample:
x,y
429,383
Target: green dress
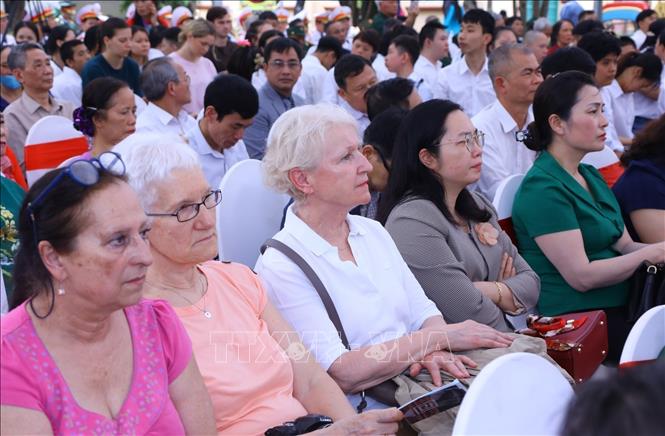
x,y
11,198
550,201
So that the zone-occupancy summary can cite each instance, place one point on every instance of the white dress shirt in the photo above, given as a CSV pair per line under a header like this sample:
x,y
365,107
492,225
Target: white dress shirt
x,y
623,108
639,37
612,140
378,298
361,118
56,68
647,107
380,68
427,70
68,87
503,155
214,163
311,78
156,119
329,88
421,86
259,79
457,83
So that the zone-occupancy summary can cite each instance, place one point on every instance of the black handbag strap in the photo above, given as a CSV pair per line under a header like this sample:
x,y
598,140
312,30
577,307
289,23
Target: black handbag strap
x,y
323,294
316,282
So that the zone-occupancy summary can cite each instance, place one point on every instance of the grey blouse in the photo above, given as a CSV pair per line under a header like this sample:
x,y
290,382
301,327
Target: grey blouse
x,y
446,261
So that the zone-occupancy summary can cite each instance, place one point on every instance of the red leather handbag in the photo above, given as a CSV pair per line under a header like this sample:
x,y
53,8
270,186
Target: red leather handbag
x,y
582,350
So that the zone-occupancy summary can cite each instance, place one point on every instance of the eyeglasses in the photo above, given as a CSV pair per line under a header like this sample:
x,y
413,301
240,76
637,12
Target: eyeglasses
x,y
279,64
82,171
188,212
477,138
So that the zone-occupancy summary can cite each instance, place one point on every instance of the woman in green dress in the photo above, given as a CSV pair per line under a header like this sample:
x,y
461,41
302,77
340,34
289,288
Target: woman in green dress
x,y
567,221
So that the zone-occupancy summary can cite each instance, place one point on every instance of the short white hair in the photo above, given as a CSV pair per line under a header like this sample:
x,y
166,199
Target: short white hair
x,y
541,24
150,158
297,140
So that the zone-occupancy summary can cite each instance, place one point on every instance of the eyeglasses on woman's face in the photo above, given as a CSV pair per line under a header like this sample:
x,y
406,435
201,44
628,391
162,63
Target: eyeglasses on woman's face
x,y
188,212
470,139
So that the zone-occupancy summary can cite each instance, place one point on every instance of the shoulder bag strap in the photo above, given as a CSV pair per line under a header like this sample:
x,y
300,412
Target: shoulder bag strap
x,y
321,290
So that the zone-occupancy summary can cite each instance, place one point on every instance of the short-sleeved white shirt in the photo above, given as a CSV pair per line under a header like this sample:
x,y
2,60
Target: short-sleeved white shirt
x,y
377,300
427,70
457,83
503,155
623,108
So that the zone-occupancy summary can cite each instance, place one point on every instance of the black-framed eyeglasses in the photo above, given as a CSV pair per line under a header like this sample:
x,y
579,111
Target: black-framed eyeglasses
x,y
85,172
470,139
188,212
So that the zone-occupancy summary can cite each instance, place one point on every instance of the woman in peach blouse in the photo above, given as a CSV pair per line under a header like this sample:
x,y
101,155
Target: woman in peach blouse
x,y
258,373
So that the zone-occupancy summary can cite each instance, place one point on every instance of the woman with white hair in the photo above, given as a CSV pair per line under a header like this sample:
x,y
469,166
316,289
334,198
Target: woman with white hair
x,y
313,154
257,371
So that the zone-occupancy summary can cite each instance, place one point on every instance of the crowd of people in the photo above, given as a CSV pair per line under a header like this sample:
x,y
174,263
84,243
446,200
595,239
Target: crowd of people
x,y
393,143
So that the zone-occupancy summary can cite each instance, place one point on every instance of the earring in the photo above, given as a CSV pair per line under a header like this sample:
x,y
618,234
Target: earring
x,y
61,290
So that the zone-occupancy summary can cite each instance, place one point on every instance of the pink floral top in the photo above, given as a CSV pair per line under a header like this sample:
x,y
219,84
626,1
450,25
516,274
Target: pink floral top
x,y
162,350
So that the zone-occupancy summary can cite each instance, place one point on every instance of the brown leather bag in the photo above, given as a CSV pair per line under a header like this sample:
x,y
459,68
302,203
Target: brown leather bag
x,y
581,351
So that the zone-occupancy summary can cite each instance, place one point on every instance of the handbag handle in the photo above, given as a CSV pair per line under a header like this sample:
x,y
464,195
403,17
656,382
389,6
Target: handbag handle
x,y
320,289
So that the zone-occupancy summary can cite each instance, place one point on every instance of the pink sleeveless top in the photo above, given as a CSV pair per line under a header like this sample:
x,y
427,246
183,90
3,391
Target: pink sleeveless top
x,y
161,351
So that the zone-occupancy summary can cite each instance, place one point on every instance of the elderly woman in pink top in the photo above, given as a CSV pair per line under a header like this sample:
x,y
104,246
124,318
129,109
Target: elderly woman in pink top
x,y
82,353
258,373
196,37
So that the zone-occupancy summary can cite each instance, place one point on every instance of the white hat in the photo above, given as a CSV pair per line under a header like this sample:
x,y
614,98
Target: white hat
x,y
88,11
165,12
337,14
180,15
282,15
299,16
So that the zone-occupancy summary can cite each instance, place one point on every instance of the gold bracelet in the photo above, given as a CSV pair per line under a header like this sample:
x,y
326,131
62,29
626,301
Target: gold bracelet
x,y
498,288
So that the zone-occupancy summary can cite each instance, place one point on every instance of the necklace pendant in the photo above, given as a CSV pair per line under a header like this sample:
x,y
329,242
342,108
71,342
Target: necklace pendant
x,y
207,314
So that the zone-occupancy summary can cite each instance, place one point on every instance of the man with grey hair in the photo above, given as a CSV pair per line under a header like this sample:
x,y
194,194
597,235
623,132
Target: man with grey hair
x,y
542,24
30,65
515,75
537,41
166,86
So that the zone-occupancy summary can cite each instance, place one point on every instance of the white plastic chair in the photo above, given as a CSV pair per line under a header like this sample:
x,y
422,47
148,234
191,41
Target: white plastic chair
x,y
647,337
516,394
601,159
249,214
51,141
505,195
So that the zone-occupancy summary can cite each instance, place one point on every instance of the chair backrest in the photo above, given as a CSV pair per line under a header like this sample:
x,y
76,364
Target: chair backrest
x,y
607,162
516,394
249,214
50,141
646,339
505,195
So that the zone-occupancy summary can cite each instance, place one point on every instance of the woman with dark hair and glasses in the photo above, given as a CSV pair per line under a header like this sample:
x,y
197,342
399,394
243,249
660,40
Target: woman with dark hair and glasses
x,y
257,371
81,351
449,236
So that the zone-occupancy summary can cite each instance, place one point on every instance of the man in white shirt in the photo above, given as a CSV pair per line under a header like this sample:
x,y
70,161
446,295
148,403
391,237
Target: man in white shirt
x,y
433,41
516,75
68,85
643,21
402,53
315,68
230,105
166,86
354,75
467,82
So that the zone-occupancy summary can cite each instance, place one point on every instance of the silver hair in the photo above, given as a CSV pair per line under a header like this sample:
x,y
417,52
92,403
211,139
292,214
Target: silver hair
x,y
501,58
297,140
19,53
150,158
531,35
541,24
156,76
